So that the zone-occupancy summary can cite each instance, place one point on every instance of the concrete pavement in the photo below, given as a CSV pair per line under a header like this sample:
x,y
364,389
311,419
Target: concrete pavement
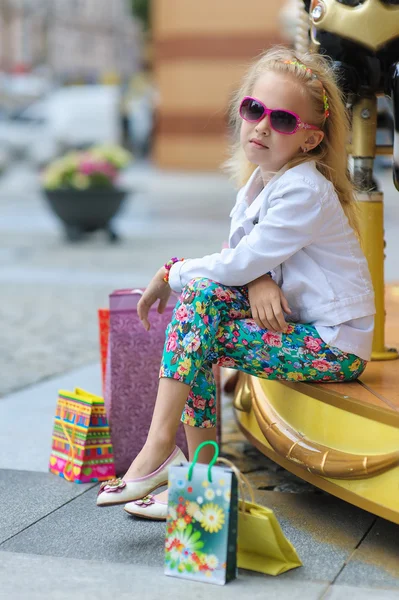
x,y
54,542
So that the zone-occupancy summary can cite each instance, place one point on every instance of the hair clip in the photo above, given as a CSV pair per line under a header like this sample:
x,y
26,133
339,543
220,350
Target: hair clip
x,y
326,106
314,76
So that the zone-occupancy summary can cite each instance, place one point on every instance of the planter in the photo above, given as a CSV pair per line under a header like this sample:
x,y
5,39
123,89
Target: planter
x,y
85,211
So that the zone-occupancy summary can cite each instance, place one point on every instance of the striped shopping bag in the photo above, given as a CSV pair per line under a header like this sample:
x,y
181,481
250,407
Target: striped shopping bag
x,y
81,443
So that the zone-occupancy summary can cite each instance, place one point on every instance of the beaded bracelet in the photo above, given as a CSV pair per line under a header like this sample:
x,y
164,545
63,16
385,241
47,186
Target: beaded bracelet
x,y
168,267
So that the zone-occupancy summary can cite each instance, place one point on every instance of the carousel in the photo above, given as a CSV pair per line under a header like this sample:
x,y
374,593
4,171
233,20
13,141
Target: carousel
x,y
344,437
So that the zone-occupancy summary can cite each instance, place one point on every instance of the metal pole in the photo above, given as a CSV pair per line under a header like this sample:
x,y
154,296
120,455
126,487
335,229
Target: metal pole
x,y
371,212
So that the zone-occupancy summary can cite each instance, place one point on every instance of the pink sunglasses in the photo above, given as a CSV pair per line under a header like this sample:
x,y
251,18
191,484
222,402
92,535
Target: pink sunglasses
x,y
282,121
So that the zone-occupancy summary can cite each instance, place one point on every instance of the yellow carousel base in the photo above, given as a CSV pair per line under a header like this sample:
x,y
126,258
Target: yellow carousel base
x,y
342,438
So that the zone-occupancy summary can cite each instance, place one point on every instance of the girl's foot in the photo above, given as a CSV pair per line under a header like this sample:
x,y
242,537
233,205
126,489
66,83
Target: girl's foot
x,y
154,507
120,491
148,460
162,497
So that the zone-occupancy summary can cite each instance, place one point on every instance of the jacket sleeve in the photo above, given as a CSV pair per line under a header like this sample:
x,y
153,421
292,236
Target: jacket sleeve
x,y
291,223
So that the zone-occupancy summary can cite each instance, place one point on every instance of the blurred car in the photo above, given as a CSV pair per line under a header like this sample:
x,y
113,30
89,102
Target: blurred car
x,y
67,118
27,134
84,115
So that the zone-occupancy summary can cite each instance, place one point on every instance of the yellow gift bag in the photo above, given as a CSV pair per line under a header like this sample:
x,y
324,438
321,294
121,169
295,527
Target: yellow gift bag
x,y
261,544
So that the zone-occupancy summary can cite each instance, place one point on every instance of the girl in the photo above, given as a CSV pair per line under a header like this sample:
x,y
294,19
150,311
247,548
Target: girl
x,y
293,254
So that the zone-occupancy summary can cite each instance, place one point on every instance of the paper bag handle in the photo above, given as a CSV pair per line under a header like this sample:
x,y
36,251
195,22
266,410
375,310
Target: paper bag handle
x,y
72,450
214,459
243,482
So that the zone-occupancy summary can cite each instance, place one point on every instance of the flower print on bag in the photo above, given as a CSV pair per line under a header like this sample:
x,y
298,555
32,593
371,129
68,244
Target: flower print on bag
x,y
213,518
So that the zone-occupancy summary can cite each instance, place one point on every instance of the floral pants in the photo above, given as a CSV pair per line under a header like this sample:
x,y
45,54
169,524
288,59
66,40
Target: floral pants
x,y
212,324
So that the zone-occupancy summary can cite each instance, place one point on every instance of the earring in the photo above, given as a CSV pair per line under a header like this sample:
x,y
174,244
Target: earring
x,y
304,149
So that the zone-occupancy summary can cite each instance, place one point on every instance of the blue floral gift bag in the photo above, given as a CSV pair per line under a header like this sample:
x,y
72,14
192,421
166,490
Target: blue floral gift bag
x,y
201,527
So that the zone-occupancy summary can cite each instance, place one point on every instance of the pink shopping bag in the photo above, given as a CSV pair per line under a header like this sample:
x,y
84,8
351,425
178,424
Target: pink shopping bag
x,y
133,361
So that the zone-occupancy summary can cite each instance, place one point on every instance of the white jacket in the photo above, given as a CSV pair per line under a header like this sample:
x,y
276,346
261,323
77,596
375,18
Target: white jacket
x,y
296,227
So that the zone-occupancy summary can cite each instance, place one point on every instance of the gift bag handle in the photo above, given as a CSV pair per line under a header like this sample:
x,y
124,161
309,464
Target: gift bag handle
x,y
72,450
243,482
214,459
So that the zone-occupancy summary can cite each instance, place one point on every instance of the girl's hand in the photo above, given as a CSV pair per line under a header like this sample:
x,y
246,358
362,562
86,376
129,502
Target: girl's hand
x,y
157,289
267,301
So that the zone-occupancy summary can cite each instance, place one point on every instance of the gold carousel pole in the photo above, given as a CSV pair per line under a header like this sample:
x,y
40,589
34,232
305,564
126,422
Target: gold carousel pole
x,y
344,21
371,213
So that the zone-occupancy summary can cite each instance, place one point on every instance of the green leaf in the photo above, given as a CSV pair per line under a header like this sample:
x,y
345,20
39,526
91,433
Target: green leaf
x,y
196,535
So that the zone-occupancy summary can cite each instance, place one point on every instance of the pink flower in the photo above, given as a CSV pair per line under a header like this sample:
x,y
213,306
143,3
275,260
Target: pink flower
x,y
199,403
223,295
189,411
321,365
113,485
146,501
181,313
268,370
171,343
90,166
272,339
313,344
226,361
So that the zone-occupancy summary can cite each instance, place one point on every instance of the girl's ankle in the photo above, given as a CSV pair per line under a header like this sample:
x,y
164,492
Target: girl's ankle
x,y
160,448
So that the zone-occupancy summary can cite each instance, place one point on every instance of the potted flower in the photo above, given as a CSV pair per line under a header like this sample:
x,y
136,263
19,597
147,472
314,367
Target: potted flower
x,y
81,188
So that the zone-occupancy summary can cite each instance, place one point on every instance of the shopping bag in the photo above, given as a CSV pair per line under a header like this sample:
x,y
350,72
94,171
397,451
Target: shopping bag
x,y
261,544
201,527
103,327
81,444
132,374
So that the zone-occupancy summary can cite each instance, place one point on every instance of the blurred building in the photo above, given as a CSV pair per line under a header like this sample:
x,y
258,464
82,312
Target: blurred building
x,y
201,50
77,39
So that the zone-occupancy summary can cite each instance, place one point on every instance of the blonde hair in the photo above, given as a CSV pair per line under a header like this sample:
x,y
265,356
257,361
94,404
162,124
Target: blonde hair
x,y
330,155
